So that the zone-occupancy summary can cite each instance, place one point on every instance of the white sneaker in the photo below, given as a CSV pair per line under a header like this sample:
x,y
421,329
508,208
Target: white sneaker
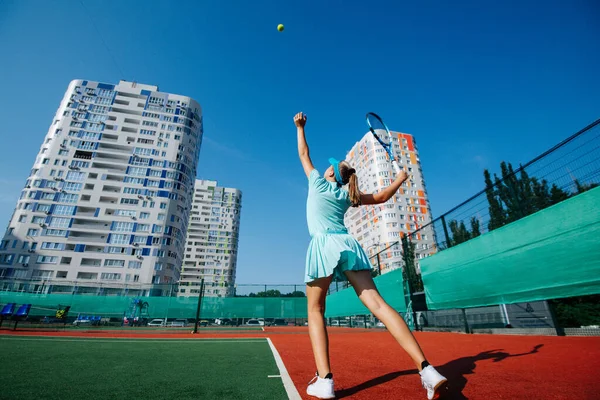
x,y
431,380
321,388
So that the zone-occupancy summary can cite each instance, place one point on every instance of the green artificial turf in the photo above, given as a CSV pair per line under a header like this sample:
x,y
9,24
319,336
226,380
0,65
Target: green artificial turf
x,y
69,368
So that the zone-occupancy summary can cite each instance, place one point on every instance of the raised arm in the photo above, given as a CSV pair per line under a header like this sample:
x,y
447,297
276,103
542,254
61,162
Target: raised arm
x,y
385,194
303,153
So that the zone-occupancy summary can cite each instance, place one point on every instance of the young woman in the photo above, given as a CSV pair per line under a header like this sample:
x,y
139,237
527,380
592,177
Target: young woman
x,y
335,254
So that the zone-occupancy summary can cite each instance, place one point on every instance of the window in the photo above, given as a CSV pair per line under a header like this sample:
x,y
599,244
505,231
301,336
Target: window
x,y
114,263
119,239
23,259
134,264
110,276
67,198
137,171
33,232
47,259
144,215
43,207
54,232
122,226
139,239
56,222
126,213
129,179
143,228
52,246
6,258
63,210
73,187
130,201
80,164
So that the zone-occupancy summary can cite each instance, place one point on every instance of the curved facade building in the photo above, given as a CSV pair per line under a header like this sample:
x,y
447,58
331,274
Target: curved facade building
x,y
106,206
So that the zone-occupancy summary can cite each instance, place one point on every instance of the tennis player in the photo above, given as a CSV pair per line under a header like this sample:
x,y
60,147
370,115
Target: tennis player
x,y
334,254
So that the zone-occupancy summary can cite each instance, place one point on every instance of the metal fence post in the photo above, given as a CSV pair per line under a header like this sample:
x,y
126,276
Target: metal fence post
x,y
448,243
464,313
199,305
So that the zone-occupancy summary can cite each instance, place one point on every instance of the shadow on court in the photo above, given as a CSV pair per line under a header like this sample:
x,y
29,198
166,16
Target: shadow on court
x,y
455,371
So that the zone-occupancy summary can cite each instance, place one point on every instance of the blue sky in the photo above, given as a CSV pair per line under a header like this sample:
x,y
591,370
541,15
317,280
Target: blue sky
x,y
475,83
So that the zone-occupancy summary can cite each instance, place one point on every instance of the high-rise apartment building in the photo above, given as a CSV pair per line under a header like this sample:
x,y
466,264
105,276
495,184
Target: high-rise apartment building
x,y
378,227
106,206
212,241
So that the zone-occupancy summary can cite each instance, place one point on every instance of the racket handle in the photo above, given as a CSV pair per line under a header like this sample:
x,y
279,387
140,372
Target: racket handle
x,y
396,166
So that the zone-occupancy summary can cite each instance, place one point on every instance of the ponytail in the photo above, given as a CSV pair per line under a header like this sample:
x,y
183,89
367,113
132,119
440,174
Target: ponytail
x,y
353,191
349,178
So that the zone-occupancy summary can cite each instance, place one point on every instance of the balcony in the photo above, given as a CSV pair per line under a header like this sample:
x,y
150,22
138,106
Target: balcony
x,y
90,224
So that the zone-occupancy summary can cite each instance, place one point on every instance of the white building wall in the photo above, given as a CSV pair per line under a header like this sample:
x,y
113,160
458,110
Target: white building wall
x,y
378,227
212,241
107,203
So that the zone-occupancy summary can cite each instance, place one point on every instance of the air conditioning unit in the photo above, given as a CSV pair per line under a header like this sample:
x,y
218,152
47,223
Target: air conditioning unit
x,y
136,245
25,265
48,213
140,257
27,187
63,146
31,251
133,218
55,189
42,225
140,197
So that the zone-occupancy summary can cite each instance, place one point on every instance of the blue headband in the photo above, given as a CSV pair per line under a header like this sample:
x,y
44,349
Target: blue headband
x,y
336,170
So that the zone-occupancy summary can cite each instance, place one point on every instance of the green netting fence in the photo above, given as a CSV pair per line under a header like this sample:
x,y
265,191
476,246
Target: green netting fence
x,y
345,302
554,253
161,307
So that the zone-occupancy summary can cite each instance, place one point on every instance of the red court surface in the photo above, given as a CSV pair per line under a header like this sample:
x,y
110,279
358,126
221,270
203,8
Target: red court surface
x,y
370,365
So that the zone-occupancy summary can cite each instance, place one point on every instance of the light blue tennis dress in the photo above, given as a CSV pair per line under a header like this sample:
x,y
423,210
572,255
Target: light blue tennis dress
x,y
332,250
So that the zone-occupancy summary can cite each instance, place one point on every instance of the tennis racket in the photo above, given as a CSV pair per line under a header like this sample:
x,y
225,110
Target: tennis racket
x,y
381,132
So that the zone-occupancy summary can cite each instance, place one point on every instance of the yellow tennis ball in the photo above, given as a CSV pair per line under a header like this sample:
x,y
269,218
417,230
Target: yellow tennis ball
x,y
280,27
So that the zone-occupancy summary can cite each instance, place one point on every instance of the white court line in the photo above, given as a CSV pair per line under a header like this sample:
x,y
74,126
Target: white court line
x,y
289,386
129,340
273,376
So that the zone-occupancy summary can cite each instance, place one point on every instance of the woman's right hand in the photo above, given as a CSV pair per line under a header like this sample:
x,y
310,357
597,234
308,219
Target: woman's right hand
x,y
402,176
300,120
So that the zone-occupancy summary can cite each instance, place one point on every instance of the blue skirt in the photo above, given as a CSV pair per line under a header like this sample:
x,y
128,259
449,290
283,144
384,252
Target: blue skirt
x,y
332,254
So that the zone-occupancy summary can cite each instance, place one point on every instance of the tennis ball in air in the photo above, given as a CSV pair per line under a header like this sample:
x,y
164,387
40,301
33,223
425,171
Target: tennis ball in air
x,y
280,27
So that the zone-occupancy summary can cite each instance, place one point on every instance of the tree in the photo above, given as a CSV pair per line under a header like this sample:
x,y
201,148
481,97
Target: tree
x,y
460,233
409,271
513,197
497,213
295,293
475,227
584,187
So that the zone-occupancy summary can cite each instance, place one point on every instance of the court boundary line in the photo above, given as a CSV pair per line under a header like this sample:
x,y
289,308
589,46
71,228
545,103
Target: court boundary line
x,y
129,339
288,384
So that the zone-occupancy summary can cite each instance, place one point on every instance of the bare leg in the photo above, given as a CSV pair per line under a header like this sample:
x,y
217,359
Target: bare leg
x,y
316,292
367,292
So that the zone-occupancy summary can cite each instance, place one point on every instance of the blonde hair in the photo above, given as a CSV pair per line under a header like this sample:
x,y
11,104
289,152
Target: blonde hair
x,y
349,178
